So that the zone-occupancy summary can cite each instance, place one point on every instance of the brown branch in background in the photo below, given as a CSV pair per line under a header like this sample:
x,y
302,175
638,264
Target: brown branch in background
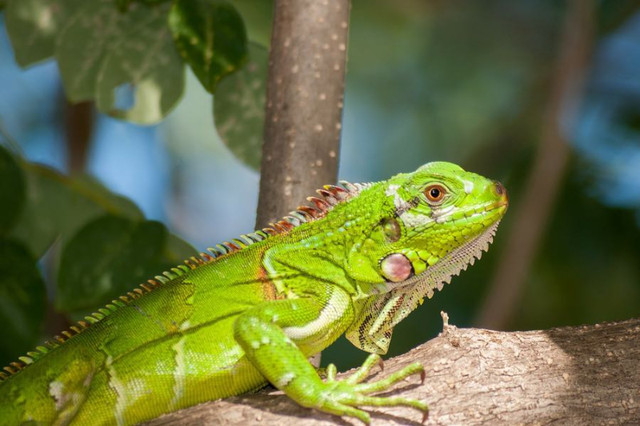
x,y
78,126
305,95
547,174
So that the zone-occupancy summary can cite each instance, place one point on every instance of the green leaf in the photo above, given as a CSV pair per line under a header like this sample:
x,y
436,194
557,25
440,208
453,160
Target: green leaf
x,y
257,17
131,50
109,202
102,47
108,257
33,26
123,5
12,191
145,59
57,205
81,47
611,15
210,36
238,107
22,300
152,2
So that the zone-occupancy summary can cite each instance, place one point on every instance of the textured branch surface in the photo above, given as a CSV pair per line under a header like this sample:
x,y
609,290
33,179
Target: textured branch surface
x,y
572,375
304,103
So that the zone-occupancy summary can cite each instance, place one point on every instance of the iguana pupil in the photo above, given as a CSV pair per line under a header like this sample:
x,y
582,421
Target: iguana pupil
x,y
435,193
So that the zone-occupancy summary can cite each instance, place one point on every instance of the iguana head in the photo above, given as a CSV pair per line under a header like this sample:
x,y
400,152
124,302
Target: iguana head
x,y
438,209
435,222
429,214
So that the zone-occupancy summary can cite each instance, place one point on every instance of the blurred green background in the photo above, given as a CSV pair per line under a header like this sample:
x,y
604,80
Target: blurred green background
x,y
476,83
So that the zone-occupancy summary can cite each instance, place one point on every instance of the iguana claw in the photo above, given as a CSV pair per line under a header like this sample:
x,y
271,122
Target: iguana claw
x,y
342,396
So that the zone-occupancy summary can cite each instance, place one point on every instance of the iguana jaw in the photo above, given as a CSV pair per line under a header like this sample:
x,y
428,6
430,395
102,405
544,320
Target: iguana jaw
x,y
373,333
449,266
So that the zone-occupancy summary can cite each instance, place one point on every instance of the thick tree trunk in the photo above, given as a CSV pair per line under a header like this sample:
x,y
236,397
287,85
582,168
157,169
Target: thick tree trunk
x,y
571,375
304,103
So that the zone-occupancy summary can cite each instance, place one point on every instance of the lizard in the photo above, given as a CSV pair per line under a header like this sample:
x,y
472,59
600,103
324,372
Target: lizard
x,y
355,261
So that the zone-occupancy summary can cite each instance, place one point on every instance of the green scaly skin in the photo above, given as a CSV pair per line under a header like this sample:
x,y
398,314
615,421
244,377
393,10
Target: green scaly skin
x,y
219,327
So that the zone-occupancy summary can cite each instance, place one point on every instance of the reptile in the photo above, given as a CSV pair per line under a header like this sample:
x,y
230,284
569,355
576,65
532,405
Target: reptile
x,y
355,261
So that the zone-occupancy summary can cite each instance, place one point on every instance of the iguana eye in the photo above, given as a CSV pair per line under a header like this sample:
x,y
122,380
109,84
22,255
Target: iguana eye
x,y
435,193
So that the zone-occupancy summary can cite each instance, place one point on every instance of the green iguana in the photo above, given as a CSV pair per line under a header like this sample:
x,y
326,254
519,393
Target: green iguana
x,y
253,310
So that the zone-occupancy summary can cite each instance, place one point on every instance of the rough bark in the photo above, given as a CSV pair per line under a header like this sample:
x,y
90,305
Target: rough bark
x,y
571,375
304,103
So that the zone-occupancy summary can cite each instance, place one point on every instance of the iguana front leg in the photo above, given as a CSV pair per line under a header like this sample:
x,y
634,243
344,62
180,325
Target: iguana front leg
x,y
278,336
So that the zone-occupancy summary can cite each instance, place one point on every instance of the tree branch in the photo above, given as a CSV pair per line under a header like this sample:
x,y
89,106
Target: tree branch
x,y
304,103
570,375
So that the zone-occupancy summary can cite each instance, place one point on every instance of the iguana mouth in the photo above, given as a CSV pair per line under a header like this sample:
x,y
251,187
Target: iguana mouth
x,y
400,298
450,265
482,210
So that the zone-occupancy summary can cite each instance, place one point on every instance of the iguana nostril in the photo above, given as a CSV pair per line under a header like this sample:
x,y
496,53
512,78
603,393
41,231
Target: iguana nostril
x,y
500,190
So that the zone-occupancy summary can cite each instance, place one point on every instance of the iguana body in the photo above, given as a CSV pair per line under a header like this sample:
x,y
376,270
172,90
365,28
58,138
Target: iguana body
x,y
254,311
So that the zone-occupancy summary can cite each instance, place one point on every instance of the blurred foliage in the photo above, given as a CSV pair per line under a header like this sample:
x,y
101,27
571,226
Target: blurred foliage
x,y
129,251
588,269
463,81
128,56
11,191
480,77
469,80
23,300
58,195
239,108
104,247
612,14
210,36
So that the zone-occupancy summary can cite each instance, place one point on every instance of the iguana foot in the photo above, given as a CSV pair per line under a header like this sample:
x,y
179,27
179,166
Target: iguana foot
x,y
341,397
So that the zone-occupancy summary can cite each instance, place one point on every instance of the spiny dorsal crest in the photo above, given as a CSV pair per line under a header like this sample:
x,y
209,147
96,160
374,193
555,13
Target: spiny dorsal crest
x,y
330,196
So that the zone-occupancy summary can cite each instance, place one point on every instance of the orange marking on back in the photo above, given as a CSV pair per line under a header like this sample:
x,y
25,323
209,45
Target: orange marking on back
x,y
269,291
